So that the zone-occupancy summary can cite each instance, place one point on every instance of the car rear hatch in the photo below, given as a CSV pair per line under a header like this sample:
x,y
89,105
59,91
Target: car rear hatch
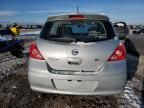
x,y
76,44
76,58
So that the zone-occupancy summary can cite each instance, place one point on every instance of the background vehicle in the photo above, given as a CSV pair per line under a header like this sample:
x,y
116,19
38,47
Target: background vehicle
x,y
135,44
9,42
129,40
78,54
141,31
122,30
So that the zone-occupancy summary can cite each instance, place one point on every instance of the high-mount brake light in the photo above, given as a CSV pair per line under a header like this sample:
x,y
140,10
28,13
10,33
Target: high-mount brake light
x,y
75,17
34,52
119,53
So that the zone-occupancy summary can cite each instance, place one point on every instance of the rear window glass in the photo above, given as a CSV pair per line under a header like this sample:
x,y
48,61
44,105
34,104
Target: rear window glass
x,y
85,30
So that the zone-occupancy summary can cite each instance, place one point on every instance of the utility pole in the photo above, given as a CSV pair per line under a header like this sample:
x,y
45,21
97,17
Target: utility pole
x,y
77,8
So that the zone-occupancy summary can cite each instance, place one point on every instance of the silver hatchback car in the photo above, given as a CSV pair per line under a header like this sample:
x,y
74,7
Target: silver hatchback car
x,y
78,54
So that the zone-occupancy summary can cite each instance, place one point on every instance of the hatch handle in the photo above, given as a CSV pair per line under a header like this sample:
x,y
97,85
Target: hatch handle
x,y
74,61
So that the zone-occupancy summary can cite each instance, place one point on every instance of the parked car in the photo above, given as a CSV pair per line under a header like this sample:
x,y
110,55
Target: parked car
x,y
15,46
9,42
122,29
134,44
77,54
141,31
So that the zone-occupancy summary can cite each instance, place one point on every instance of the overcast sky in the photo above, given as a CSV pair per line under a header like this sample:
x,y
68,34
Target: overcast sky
x,y
131,11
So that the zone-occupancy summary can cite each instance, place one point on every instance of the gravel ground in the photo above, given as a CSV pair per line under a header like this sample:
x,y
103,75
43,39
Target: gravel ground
x,y
15,91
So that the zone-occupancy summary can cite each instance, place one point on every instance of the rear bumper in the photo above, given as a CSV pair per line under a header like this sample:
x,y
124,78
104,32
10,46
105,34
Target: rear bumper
x,y
56,91
111,80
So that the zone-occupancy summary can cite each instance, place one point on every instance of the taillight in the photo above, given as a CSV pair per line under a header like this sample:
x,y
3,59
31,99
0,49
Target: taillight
x,y
34,52
119,53
75,17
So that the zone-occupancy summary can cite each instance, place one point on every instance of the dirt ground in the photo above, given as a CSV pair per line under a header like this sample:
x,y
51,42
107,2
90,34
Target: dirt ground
x,y
16,93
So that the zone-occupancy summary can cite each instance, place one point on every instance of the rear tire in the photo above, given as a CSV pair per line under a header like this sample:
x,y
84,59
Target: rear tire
x,y
17,52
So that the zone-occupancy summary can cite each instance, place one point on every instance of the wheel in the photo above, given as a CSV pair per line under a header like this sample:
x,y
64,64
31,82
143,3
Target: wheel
x,y
17,52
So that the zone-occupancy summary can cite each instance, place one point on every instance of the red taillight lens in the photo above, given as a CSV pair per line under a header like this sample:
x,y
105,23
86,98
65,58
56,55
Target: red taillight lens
x,y
34,52
73,17
119,53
